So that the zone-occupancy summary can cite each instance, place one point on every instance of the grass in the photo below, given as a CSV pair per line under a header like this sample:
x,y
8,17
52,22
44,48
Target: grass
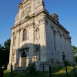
x,y
56,72
61,72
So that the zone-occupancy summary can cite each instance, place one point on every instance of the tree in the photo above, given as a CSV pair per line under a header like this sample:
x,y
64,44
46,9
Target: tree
x,y
74,49
7,44
0,47
75,59
1,55
4,53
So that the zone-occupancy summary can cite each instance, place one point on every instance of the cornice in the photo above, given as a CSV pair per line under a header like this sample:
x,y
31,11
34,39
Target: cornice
x,y
47,13
31,17
56,22
12,27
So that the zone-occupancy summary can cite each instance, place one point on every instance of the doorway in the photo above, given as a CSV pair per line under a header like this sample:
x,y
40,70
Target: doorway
x,y
23,62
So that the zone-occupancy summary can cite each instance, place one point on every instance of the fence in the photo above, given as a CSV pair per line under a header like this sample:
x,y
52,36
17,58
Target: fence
x,y
50,71
67,75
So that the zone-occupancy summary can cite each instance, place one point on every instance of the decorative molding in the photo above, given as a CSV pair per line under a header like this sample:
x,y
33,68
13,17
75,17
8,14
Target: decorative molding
x,y
17,31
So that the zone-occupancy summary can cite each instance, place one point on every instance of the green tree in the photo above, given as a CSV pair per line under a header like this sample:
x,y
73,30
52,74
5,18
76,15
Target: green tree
x,y
1,55
74,49
4,53
75,59
0,47
7,44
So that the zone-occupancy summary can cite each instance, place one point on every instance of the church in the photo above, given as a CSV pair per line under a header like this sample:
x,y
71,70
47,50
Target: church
x,y
38,37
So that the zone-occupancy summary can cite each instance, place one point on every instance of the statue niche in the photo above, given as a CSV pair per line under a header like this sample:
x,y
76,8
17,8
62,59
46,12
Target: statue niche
x,y
37,35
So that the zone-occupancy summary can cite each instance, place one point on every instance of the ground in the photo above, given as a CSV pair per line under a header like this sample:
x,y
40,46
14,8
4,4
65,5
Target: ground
x,y
56,72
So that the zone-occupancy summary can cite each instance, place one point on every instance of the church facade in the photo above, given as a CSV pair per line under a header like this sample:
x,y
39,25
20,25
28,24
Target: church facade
x,y
38,37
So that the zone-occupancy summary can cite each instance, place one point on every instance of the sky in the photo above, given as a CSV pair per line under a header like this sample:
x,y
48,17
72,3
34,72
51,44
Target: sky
x,y
66,10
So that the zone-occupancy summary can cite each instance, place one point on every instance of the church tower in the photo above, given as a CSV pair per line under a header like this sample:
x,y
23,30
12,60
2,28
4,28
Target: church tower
x,y
37,37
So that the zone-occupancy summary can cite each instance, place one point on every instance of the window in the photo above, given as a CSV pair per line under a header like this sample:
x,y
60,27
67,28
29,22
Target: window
x,y
25,35
54,34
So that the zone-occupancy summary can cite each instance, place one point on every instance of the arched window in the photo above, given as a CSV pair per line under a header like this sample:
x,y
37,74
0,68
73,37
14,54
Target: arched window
x,y
24,34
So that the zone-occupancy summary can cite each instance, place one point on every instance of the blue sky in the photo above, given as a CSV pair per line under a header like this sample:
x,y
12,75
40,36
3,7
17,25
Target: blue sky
x,y
66,9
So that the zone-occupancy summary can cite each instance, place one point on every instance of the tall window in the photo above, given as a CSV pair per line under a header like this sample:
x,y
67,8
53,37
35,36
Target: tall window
x,y
24,34
54,34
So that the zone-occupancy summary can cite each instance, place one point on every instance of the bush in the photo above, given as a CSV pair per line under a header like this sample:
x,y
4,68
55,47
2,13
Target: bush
x,y
27,17
31,68
67,63
75,59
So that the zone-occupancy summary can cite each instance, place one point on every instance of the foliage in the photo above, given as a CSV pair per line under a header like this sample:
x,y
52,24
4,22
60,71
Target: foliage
x,y
7,44
31,68
66,63
75,59
4,53
74,49
27,17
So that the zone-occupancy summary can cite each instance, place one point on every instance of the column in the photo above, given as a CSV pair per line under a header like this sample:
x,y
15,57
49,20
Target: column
x,y
21,37
70,50
17,46
31,43
11,51
20,59
61,50
27,61
42,41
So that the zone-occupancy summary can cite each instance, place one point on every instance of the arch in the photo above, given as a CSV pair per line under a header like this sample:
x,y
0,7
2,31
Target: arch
x,y
24,34
23,54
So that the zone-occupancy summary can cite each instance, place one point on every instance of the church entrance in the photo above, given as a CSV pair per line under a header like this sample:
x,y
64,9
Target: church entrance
x,y
23,62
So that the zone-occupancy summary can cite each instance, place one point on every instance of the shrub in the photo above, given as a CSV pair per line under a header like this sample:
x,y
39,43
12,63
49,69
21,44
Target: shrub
x,y
67,63
31,68
75,59
27,17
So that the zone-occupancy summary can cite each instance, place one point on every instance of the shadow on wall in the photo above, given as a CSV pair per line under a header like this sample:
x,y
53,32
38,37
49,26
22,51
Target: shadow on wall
x,y
29,53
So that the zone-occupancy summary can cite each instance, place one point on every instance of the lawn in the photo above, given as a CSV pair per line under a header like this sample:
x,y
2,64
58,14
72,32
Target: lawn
x,y
56,72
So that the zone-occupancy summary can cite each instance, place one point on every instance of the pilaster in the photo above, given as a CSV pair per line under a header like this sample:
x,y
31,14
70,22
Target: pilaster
x,y
11,53
43,40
